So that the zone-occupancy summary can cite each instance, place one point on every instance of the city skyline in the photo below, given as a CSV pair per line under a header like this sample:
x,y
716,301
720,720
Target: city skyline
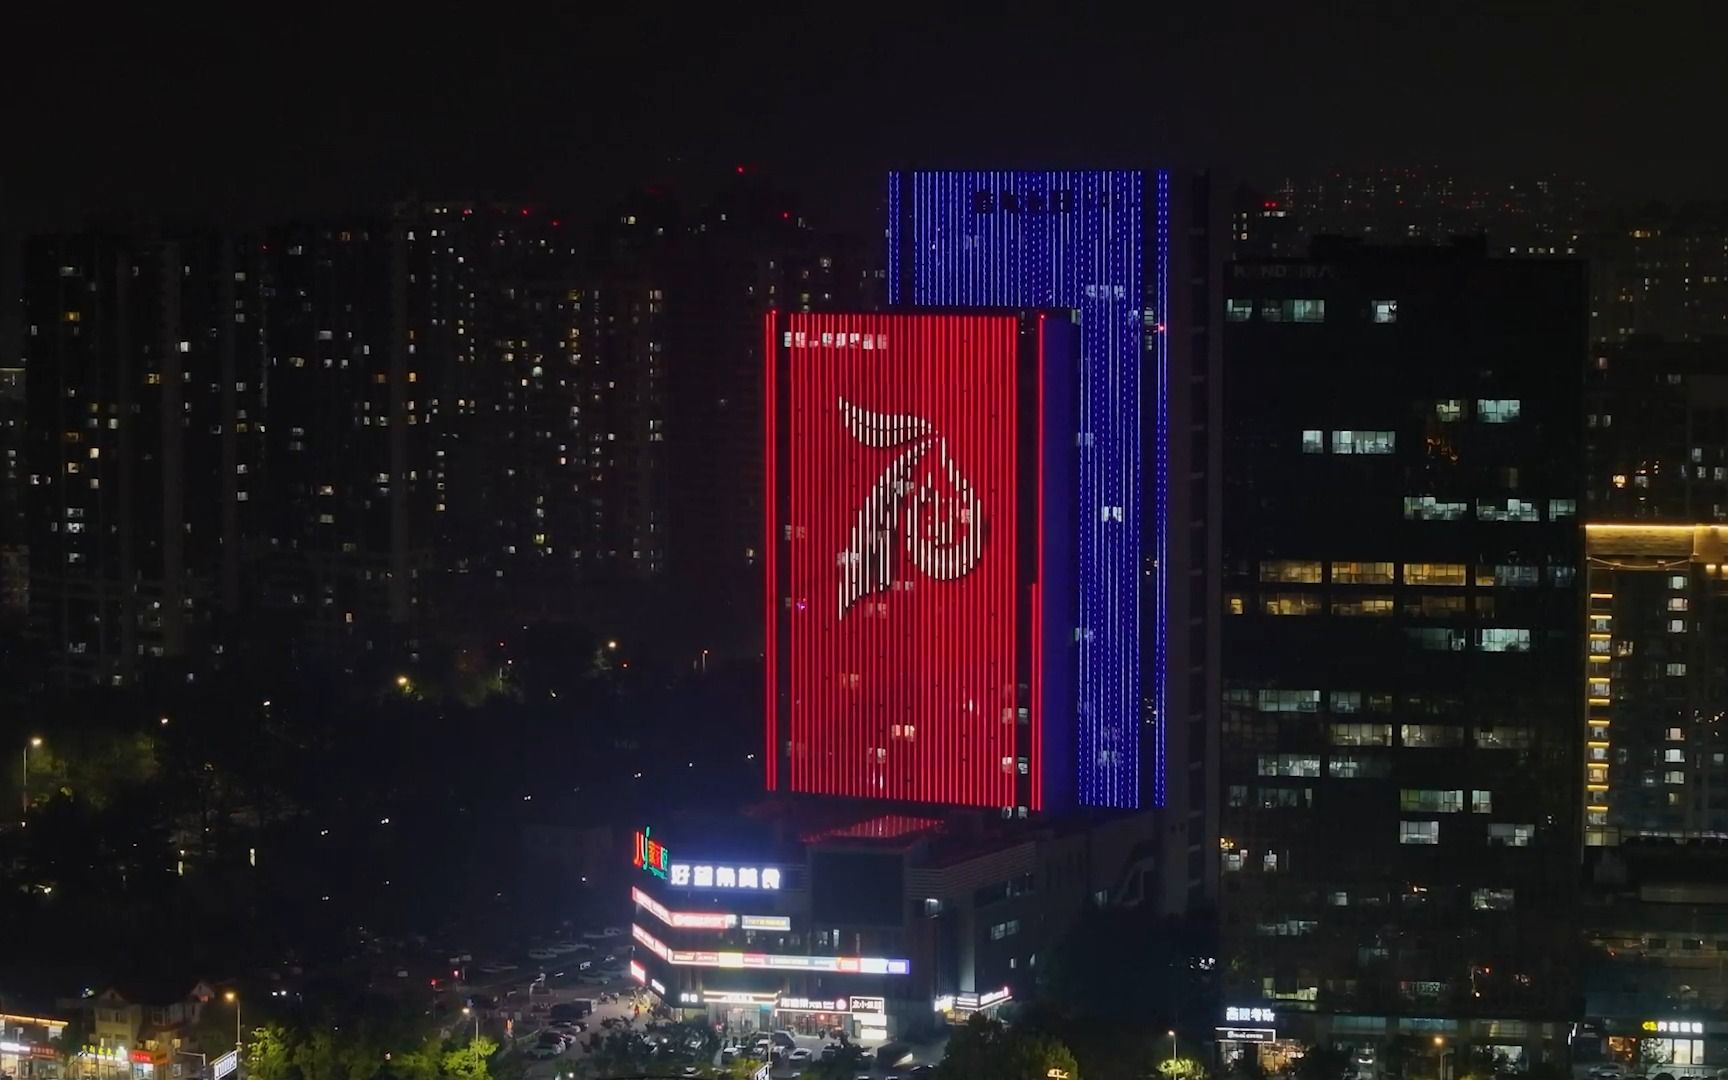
x,y
858,544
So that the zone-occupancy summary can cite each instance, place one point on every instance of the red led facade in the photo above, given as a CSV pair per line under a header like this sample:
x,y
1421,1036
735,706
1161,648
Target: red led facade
x,y
905,494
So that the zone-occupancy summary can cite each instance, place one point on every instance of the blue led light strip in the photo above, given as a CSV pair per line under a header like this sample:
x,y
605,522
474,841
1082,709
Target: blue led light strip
x,y
1073,240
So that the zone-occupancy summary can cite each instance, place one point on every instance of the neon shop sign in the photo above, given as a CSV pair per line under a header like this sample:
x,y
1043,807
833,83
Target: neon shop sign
x,y
650,854
711,876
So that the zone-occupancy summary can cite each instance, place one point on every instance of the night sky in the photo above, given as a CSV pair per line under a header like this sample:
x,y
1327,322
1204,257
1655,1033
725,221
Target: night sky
x,y
314,108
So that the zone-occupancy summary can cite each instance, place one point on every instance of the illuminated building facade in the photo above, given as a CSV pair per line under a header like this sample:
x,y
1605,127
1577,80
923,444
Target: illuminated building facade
x,y
919,557
1656,739
881,926
1095,242
1404,667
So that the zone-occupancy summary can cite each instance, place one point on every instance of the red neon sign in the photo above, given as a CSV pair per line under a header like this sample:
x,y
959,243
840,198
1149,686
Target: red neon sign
x,y
897,481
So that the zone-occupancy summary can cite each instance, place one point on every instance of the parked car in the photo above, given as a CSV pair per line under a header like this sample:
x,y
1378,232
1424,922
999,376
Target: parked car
x,y
799,1053
784,1038
541,1053
542,954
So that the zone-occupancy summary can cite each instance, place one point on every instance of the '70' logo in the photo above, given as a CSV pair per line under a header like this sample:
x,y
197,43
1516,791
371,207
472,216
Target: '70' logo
x,y
940,527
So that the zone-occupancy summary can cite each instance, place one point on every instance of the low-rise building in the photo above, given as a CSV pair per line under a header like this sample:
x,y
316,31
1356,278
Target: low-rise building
x,y
877,925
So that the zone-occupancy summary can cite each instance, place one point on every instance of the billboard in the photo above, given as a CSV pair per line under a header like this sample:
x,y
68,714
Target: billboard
x,y
1080,240
906,506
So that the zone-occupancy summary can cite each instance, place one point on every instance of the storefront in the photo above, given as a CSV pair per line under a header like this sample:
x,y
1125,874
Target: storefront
x,y
861,1018
960,1008
102,1063
1250,1033
29,1060
734,1012
1661,1044
814,1016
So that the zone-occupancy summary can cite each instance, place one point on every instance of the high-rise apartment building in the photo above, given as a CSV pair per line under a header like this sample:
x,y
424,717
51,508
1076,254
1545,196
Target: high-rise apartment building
x,y
14,545
1660,271
143,389
1656,758
338,568
1544,216
1403,672
1655,799
1655,270
1656,431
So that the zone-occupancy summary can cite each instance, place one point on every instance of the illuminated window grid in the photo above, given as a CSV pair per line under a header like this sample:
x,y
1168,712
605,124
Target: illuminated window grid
x,y
1596,716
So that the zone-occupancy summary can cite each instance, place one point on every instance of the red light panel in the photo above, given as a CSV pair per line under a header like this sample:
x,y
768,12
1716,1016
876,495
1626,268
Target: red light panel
x,y
901,531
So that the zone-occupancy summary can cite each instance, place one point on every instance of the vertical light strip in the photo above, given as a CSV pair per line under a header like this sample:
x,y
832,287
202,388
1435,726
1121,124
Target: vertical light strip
x,y
1035,751
770,547
894,238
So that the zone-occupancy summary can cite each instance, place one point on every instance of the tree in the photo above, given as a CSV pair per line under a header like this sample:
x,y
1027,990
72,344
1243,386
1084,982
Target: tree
x,y
420,1063
741,1068
318,1057
990,1048
268,1054
469,1062
1182,1068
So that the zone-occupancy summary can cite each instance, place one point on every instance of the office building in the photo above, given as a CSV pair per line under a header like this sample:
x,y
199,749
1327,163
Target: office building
x,y
1080,240
921,559
1403,655
1138,256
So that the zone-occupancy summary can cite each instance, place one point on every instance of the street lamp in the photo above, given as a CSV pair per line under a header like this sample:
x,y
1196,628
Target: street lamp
x,y
24,777
1173,1054
466,1011
234,999
1445,1051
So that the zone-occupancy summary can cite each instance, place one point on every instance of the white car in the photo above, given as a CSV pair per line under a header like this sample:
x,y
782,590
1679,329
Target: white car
x,y
802,1053
612,931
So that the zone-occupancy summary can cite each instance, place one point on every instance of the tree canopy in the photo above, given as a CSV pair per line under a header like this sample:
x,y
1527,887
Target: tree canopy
x,y
991,1048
